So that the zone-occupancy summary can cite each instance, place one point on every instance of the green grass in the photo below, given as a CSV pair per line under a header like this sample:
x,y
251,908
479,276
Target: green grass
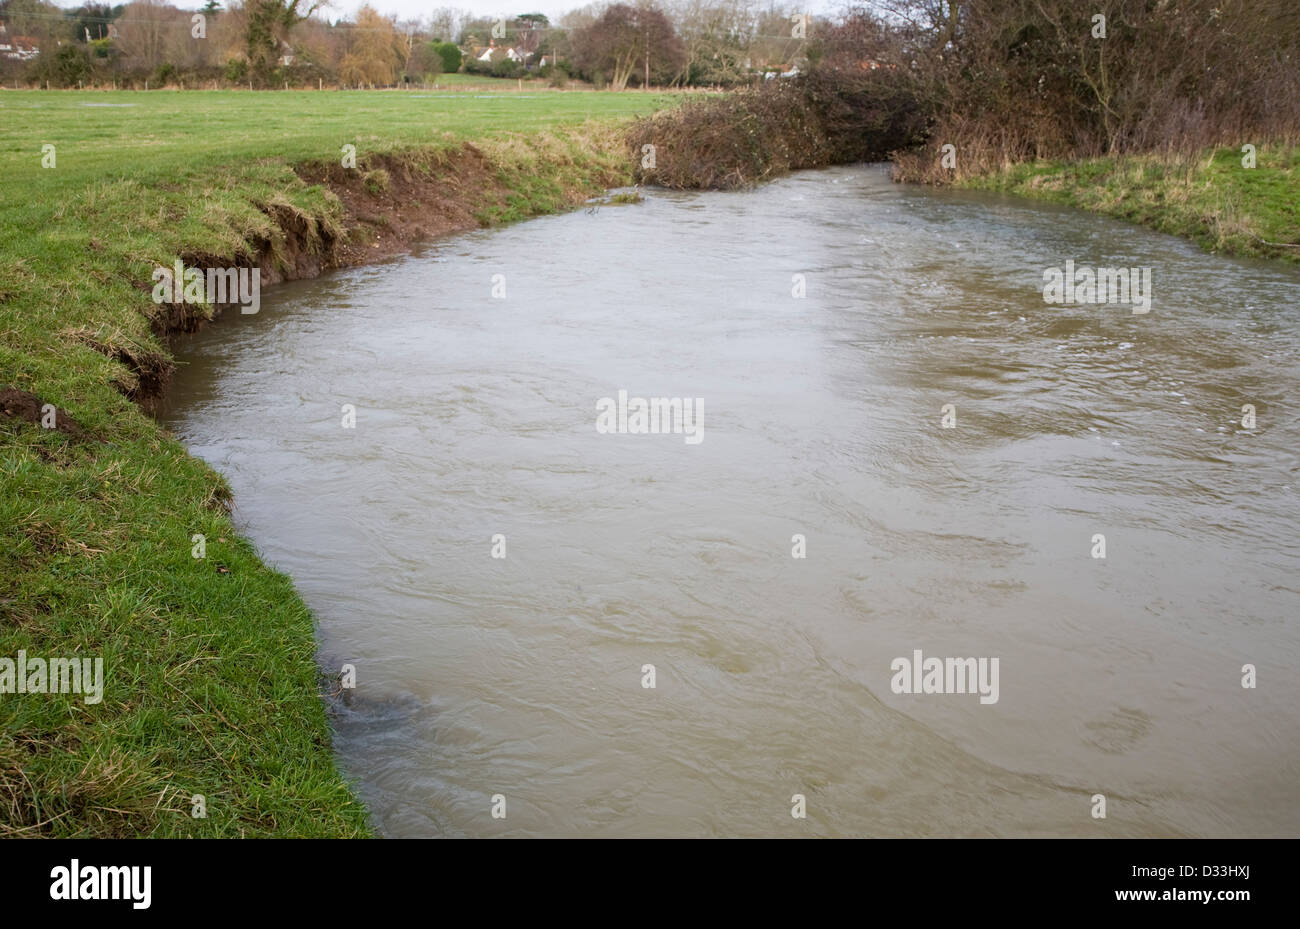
x,y
155,134
211,685
1211,198
485,82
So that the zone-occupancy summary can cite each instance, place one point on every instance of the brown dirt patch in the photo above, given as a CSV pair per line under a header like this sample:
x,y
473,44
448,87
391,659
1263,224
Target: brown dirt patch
x,y
392,205
23,406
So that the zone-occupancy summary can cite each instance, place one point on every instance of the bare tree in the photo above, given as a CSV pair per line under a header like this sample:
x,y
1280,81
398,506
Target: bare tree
x,y
143,30
625,37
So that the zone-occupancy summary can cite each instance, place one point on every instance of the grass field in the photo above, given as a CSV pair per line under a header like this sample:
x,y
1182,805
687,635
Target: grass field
x,y
211,685
142,135
1212,198
461,80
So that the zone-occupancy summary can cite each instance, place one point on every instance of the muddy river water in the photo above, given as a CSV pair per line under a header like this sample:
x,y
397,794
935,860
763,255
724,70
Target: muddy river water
x,y
886,393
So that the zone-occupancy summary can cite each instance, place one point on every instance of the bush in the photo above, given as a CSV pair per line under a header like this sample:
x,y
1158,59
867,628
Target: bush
x,y
731,141
1021,80
474,66
163,73
70,64
450,55
236,71
506,67
102,48
782,125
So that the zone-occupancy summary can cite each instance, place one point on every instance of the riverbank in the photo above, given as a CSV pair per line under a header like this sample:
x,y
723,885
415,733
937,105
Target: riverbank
x,y
210,683
1211,198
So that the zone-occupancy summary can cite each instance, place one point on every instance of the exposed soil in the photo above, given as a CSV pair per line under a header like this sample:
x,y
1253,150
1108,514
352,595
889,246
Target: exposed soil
x,y
23,406
392,206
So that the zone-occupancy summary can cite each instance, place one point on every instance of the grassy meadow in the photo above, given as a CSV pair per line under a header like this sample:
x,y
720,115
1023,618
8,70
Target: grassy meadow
x,y
210,681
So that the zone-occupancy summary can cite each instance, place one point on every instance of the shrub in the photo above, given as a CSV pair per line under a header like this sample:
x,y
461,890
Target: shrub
x,y
732,141
163,73
67,66
782,125
450,55
506,67
1021,80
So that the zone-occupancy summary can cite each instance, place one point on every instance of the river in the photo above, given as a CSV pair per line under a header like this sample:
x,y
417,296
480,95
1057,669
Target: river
x,y
517,685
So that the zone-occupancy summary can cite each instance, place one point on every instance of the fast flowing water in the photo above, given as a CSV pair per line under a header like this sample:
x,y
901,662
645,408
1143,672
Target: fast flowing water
x,y
517,684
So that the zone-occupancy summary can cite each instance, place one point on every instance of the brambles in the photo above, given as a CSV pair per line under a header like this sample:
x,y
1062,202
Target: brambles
x,y
825,118
732,141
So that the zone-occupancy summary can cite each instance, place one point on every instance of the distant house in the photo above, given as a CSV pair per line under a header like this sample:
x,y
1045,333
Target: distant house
x,y
17,48
286,54
494,53
528,41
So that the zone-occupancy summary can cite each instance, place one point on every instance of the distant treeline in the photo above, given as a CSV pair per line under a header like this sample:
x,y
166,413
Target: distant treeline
x,y
1001,81
716,43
